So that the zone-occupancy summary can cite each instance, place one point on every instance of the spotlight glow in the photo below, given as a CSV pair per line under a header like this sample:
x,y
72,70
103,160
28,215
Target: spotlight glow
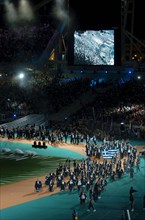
x,y
21,75
22,12
11,13
25,10
60,11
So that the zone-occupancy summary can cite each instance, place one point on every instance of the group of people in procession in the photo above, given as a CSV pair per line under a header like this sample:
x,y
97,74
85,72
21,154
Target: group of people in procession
x,y
90,176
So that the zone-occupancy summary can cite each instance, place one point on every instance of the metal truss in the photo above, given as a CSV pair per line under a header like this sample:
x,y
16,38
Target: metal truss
x,y
133,49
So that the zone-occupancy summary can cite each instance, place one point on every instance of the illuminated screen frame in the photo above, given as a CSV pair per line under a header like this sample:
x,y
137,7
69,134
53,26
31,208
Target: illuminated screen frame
x,y
94,47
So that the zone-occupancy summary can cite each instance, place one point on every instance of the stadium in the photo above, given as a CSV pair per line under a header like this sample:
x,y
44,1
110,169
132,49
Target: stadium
x,y
72,112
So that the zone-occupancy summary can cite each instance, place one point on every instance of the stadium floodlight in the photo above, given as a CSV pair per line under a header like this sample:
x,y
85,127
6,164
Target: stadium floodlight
x,y
21,75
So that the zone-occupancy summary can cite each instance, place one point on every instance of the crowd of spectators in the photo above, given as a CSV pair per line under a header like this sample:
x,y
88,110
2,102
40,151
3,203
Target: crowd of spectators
x,y
120,102
113,104
116,104
24,43
48,98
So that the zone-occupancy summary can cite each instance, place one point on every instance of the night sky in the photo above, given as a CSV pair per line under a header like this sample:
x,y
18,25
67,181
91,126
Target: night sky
x,y
139,24
107,13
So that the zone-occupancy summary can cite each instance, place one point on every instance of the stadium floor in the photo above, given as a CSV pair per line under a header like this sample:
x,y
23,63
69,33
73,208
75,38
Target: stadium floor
x,y
59,206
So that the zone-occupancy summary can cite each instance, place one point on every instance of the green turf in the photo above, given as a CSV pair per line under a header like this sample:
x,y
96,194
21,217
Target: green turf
x,y
13,171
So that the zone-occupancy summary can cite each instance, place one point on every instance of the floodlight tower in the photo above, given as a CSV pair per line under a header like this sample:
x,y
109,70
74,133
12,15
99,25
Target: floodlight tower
x,y
130,43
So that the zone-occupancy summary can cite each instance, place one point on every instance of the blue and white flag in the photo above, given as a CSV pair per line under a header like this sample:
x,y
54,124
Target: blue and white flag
x,y
108,154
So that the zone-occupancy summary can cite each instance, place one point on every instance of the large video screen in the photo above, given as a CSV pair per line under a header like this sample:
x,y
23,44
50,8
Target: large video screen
x,y
94,47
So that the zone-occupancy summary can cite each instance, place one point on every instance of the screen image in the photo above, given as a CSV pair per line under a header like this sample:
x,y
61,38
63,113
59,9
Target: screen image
x,y
94,47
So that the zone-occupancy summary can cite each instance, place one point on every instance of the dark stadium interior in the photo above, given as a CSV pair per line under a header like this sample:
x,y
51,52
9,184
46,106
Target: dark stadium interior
x,y
100,92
